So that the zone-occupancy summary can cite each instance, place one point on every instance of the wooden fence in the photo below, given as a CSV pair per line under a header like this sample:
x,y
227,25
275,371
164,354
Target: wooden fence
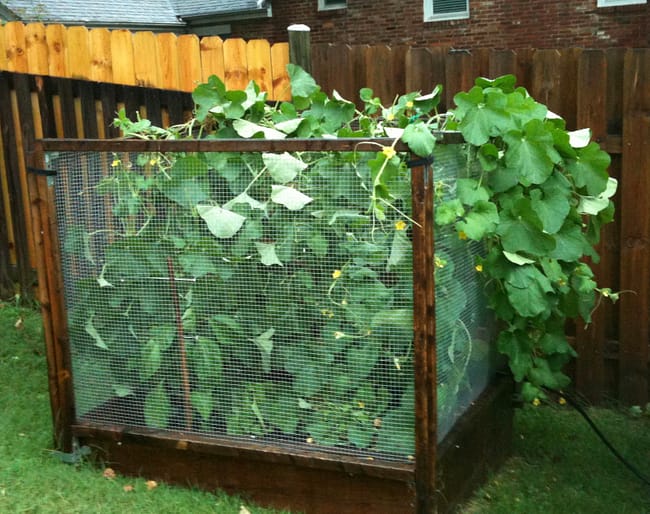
x,y
164,60
33,107
606,90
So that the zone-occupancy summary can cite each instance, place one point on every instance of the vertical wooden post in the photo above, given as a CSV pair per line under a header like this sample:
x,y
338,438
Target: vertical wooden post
x,y
591,340
424,336
50,280
634,309
300,46
635,261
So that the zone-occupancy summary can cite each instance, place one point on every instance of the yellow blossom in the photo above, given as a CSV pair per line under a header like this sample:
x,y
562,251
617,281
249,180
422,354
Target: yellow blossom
x,y
361,405
440,263
115,163
388,151
561,401
536,402
328,313
409,104
462,235
336,274
479,268
153,161
390,116
400,225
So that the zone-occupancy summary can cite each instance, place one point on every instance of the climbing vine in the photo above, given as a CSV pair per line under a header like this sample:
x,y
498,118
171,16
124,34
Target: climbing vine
x,y
532,195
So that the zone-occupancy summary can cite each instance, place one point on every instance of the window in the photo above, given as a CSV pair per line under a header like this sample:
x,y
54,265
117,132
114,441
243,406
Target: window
x,y
440,10
326,5
614,3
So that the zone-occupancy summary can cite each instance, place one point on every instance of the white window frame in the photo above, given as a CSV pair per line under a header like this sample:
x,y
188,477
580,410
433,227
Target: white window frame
x,y
617,3
340,4
430,15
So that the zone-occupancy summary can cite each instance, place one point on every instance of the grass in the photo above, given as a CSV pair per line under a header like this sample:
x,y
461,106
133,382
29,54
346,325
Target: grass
x,y
559,465
33,480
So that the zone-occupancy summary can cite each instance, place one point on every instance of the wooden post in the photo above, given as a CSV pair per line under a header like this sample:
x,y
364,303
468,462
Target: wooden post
x,y
50,291
635,261
300,46
424,336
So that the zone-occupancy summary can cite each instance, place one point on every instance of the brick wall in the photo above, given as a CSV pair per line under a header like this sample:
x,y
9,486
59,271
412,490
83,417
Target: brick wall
x,y
492,24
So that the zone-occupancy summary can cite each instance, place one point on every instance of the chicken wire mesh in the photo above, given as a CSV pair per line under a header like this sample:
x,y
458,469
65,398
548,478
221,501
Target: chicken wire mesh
x,y
252,295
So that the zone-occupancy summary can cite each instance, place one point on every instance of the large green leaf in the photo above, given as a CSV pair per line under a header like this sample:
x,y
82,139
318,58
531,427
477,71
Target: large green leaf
x,y
221,222
283,167
157,407
479,221
518,347
419,139
290,197
589,169
268,257
302,83
206,362
527,288
531,151
521,230
203,402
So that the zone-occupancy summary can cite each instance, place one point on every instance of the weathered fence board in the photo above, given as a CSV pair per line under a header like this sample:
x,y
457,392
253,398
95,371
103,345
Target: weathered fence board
x,y
172,62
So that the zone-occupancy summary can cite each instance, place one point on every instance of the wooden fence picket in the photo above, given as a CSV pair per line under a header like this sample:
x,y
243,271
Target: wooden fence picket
x,y
211,57
235,63
189,67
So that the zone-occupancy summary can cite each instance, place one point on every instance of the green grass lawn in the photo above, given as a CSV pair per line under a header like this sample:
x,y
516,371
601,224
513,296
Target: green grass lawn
x,y
559,465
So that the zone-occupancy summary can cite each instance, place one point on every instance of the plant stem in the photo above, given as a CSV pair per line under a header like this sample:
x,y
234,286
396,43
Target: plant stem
x,y
181,346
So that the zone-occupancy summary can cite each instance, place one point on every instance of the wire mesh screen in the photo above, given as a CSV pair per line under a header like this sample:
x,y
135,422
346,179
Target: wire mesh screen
x,y
463,323
254,295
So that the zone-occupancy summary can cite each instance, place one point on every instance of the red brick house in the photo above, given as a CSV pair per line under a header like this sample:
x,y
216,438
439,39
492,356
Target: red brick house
x,y
460,23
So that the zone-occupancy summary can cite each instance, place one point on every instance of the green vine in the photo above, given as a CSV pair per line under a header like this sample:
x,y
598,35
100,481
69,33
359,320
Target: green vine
x,y
533,194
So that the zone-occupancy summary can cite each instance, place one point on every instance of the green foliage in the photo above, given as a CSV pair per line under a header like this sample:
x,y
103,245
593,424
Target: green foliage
x,y
549,194
534,197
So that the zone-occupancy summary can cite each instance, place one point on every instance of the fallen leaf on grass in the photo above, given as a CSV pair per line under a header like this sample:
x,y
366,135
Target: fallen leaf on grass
x,y
20,323
128,488
109,473
151,484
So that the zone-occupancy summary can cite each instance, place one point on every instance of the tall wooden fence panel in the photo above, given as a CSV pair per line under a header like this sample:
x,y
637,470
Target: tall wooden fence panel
x,y
35,106
164,60
606,90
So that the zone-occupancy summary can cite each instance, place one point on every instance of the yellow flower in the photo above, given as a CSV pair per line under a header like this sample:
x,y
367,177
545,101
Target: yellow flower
x,y
409,104
153,161
400,225
361,405
390,116
115,163
536,402
462,235
336,274
388,151
561,401
328,313
479,268
440,263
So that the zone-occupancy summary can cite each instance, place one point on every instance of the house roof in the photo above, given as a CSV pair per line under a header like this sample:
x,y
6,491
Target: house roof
x,y
127,13
96,12
192,8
